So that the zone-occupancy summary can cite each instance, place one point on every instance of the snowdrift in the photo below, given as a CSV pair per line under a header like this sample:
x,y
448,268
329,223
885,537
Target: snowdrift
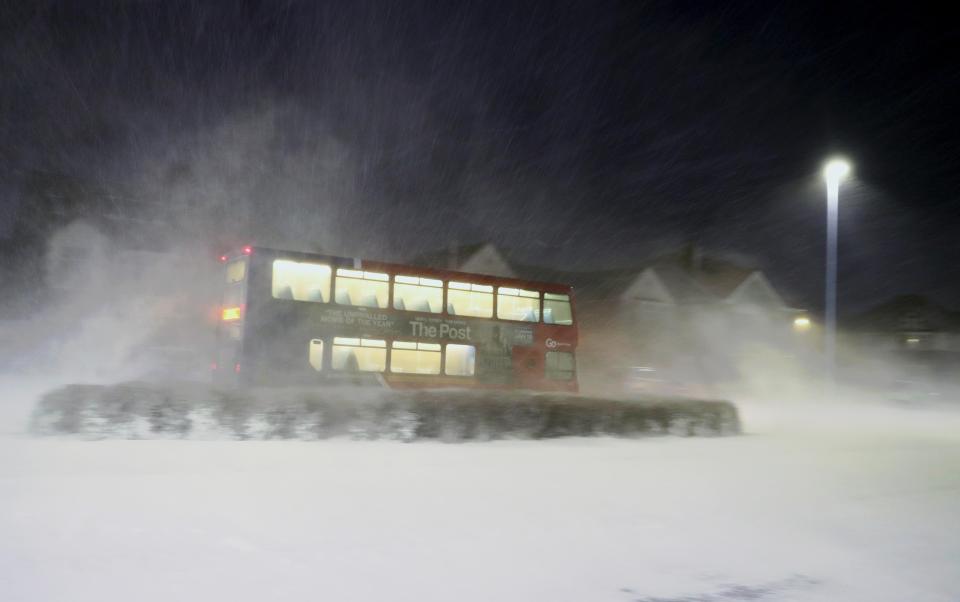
x,y
147,411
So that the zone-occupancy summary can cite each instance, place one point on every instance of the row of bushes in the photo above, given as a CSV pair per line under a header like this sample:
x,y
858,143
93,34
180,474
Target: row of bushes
x,y
137,410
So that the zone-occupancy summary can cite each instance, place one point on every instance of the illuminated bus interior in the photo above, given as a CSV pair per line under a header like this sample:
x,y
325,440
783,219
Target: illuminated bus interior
x,y
305,281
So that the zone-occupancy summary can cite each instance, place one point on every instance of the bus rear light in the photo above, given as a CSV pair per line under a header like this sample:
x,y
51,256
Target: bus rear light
x,y
223,258
230,314
236,368
247,250
213,367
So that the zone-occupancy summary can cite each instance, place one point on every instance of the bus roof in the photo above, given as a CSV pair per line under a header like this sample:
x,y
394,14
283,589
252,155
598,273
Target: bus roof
x,y
405,269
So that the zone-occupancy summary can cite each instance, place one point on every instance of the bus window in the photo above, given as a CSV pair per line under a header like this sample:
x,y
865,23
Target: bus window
x,y
359,355
460,360
415,358
301,281
316,354
362,289
465,299
556,309
418,294
518,304
236,271
559,365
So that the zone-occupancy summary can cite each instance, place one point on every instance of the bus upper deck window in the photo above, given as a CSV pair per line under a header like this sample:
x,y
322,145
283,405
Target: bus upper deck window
x,y
301,281
362,289
236,271
465,299
412,293
556,309
518,304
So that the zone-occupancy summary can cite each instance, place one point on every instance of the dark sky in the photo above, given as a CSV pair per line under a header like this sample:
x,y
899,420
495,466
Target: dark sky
x,y
578,134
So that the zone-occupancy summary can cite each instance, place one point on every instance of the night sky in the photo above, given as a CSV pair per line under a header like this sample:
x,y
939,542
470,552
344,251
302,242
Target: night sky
x,y
577,135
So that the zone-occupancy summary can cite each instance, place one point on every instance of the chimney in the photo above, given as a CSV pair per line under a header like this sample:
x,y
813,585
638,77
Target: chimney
x,y
453,255
692,257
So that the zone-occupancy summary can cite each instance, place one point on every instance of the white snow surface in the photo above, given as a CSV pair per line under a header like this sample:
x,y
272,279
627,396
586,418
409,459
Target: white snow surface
x,y
846,503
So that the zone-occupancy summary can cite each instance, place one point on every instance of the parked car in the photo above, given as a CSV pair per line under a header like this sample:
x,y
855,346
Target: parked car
x,y
660,381
915,392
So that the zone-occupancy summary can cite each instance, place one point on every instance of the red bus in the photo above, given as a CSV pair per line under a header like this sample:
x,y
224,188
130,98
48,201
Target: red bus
x,y
302,318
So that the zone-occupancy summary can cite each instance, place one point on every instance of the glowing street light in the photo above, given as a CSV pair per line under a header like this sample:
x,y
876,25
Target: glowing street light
x,y
833,172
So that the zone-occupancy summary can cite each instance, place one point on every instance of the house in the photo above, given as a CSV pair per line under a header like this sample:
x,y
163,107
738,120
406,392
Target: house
x,y
694,312
908,323
689,314
909,340
64,227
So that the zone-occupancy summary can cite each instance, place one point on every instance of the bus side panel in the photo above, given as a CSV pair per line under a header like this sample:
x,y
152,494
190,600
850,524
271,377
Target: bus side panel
x,y
555,338
528,367
277,338
276,349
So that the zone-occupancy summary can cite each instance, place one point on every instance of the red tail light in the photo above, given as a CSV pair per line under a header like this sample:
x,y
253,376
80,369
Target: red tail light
x,y
247,250
213,367
236,368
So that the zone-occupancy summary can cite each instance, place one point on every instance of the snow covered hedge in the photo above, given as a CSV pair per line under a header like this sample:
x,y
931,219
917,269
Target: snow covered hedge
x,y
140,410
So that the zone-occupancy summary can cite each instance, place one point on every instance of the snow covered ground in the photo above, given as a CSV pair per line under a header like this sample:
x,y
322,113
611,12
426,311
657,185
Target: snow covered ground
x,y
861,506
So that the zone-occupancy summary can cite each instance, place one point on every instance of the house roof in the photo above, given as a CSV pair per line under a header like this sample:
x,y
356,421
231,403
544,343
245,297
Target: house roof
x,y
683,286
710,279
714,274
914,313
599,284
688,275
441,257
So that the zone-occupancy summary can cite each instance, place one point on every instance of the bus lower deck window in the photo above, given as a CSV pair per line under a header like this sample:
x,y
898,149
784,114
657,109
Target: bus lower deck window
x,y
461,360
359,355
556,309
415,358
559,365
316,354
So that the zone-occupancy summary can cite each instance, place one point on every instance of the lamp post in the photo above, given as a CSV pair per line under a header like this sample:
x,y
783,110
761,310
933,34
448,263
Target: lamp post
x,y
834,171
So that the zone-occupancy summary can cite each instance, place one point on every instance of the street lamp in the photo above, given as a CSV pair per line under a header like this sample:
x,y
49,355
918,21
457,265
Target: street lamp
x,y
833,172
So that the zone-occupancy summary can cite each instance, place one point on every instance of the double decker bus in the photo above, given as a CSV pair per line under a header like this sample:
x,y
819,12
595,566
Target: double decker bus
x,y
290,318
